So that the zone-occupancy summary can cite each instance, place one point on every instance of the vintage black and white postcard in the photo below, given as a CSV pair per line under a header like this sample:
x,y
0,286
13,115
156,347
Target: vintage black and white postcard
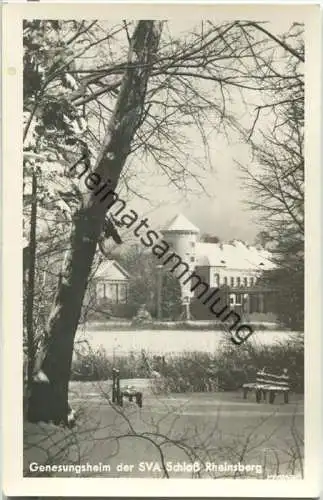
x,y
161,250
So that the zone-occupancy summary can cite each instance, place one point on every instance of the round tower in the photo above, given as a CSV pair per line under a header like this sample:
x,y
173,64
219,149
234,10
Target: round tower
x,y
182,236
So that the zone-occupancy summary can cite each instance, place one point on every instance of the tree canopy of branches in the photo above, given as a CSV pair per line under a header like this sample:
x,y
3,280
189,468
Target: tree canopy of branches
x,y
124,99
276,182
143,283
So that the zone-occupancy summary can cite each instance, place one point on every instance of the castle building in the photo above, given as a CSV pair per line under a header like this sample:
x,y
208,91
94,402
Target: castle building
x,y
234,266
182,236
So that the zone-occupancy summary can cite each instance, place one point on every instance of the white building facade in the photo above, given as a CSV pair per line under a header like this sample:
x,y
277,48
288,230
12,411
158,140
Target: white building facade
x,y
234,265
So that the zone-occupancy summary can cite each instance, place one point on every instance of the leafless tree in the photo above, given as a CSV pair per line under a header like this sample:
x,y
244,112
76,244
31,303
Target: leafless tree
x,y
139,101
161,434
276,180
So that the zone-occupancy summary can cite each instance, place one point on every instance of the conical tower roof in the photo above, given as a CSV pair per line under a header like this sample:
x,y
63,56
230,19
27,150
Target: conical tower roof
x,y
180,224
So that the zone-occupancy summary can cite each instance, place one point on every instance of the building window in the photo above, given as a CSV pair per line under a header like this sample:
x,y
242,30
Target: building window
x,y
114,293
232,301
192,244
238,281
239,299
101,290
254,303
225,281
245,281
252,281
122,293
232,281
192,259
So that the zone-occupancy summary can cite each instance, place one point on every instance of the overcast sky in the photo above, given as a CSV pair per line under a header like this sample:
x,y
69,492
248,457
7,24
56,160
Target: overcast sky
x,y
221,211
219,204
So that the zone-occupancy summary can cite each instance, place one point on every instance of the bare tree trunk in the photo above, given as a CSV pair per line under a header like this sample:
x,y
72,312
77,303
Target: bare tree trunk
x,y
49,395
31,286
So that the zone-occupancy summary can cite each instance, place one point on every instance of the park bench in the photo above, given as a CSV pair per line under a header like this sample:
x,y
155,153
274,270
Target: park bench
x,y
268,383
118,393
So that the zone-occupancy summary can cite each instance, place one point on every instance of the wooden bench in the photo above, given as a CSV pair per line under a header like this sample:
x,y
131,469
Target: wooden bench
x,y
119,393
268,383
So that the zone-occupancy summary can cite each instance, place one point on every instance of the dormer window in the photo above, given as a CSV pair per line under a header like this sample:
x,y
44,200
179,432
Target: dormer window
x,y
222,261
261,264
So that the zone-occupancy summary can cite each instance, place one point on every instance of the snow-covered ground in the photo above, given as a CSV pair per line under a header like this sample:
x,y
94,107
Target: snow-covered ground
x,y
168,341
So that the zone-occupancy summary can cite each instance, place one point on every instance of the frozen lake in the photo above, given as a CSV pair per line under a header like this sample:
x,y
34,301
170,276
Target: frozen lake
x,y
169,341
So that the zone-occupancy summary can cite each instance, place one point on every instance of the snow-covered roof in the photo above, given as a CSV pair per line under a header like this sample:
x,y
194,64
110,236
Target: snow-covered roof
x,y
111,270
180,224
235,255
